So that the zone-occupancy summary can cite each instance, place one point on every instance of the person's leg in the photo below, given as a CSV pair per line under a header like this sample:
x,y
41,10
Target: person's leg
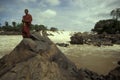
x,y
25,32
28,31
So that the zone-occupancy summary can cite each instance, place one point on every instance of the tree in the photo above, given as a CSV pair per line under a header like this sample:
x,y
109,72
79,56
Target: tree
x,y
0,25
18,27
115,13
38,27
6,24
14,24
42,27
53,29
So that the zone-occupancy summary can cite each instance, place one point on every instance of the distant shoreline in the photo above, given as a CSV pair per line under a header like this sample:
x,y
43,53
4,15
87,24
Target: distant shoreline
x,y
10,33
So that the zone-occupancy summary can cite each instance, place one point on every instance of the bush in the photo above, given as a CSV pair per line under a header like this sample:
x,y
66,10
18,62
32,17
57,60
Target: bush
x,y
53,29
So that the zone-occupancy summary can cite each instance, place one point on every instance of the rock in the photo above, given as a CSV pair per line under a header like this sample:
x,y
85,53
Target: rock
x,y
114,74
95,39
62,44
77,39
37,58
90,75
118,62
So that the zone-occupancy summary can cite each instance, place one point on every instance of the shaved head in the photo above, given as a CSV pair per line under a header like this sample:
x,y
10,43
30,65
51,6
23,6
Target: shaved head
x,y
26,11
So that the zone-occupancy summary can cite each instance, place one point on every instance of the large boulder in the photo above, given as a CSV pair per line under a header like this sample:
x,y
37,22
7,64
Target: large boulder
x,y
77,38
37,58
114,74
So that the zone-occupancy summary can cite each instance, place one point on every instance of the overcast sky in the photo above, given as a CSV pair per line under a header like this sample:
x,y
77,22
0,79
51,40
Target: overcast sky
x,y
77,15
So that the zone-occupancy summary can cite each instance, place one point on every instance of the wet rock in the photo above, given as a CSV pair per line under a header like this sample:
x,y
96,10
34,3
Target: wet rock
x,y
77,39
90,75
62,44
118,62
115,74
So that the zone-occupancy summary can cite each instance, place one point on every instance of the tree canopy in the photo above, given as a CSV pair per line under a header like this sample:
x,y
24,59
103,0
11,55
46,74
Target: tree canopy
x,y
115,13
110,26
16,27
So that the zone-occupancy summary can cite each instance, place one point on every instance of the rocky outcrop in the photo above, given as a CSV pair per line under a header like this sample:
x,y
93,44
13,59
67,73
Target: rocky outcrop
x,y
77,38
38,58
114,74
107,33
90,75
96,39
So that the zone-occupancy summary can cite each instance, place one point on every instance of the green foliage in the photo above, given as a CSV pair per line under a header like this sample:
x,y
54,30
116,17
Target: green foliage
x,y
38,27
115,13
53,29
6,24
111,26
14,24
16,27
107,26
0,28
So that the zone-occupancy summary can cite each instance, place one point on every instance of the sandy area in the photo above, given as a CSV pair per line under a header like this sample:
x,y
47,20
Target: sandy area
x,y
98,59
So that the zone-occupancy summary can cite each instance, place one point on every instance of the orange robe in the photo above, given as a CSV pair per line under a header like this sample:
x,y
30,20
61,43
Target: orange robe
x,y
27,19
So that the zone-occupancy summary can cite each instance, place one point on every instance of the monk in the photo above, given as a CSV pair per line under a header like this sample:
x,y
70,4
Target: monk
x,y
27,19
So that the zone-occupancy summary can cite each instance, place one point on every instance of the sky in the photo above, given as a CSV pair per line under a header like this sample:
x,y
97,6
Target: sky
x,y
72,15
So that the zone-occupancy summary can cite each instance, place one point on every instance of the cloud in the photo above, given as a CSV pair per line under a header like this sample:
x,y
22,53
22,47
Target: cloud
x,y
27,1
48,3
43,17
48,14
64,14
2,9
52,2
114,3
